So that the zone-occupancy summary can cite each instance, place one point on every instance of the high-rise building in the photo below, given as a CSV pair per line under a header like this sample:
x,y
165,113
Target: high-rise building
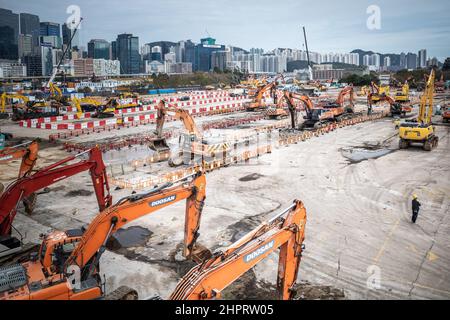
x,y
422,58
411,60
387,62
403,63
47,60
203,53
30,25
375,60
9,35
366,60
113,50
53,41
156,54
25,45
128,53
99,49
50,29
220,59
33,64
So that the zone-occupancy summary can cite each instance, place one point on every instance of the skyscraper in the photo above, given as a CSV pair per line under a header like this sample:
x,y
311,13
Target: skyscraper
x,y
127,49
403,63
30,25
411,60
50,29
422,58
203,54
99,49
9,35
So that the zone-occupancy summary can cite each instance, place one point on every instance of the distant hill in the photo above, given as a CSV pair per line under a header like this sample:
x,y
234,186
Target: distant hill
x,y
395,58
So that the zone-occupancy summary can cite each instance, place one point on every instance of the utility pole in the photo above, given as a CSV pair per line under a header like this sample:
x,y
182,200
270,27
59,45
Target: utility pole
x,y
307,54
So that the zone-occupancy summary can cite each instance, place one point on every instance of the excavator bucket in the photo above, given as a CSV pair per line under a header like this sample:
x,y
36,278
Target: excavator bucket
x,y
159,146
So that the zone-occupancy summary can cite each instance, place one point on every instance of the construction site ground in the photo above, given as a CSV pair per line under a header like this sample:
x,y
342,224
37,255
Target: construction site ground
x,y
356,186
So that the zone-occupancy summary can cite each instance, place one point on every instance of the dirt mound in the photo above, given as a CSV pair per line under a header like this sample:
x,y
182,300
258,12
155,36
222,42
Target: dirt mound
x,y
248,288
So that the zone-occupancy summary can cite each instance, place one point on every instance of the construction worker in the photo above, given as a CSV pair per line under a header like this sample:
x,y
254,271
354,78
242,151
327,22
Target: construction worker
x,y
415,208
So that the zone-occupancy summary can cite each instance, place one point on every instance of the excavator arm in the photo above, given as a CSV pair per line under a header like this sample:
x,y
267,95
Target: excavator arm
x,y
180,114
5,96
426,100
126,210
27,151
25,186
285,231
347,91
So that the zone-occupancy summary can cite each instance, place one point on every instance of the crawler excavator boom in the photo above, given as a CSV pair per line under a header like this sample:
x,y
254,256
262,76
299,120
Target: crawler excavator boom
x,y
24,188
49,273
257,102
421,130
285,231
27,151
191,143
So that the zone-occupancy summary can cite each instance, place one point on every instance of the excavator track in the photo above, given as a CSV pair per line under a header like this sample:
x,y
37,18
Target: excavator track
x,y
123,293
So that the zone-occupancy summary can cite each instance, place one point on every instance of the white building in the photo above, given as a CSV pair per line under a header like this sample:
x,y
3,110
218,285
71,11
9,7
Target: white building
x,y
12,69
154,67
104,67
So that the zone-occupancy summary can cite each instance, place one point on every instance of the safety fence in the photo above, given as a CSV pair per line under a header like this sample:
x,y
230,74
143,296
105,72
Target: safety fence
x,y
241,157
128,122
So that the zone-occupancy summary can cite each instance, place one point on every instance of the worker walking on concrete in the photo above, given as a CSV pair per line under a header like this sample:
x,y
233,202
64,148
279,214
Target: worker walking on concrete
x,y
415,208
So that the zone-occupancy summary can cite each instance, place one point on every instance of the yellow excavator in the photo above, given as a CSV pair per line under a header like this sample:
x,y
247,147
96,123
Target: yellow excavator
x,y
421,131
4,97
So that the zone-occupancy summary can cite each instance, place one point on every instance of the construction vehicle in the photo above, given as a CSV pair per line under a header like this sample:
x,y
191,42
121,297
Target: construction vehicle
x,y
24,189
86,105
422,130
378,92
4,97
403,95
396,109
27,151
363,92
440,85
285,231
57,95
190,143
123,101
56,101
446,113
48,275
338,104
257,102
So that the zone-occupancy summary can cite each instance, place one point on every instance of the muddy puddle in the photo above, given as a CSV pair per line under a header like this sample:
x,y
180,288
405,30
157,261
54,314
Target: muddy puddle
x,y
251,177
127,238
80,192
358,154
249,288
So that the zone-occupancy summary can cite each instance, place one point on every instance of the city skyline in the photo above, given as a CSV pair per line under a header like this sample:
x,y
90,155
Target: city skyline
x,y
276,30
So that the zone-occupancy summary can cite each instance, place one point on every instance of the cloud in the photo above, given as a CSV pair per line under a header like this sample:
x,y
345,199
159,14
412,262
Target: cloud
x,y
336,26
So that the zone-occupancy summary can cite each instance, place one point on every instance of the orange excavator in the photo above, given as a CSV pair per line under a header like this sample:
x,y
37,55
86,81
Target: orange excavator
x,y
25,188
28,151
257,102
193,135
316,115
285,231
191,143
67,266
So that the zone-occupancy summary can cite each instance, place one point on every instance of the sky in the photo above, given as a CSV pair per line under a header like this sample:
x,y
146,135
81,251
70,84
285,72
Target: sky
x,y
332,26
